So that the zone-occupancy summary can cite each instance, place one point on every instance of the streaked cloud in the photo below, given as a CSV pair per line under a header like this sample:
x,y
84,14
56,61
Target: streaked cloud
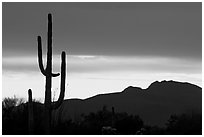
x,y
97,74
92,64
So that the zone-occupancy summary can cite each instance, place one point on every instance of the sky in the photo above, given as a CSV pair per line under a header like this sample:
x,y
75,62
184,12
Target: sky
x,y
109,46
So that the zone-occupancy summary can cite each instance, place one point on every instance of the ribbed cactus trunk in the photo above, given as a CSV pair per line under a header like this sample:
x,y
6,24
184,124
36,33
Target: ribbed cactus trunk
x,y
30,113
113,117
48,105
48,77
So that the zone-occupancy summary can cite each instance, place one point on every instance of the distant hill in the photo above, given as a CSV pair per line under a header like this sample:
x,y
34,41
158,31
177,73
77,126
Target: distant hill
x,y
154,104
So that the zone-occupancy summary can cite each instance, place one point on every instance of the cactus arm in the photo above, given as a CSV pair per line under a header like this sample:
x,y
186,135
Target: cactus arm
x,y
40,61
55,75
43,71
62,86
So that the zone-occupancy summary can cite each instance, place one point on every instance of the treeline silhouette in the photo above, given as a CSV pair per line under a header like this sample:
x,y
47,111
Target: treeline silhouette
x,y
15,116
104,121
101,122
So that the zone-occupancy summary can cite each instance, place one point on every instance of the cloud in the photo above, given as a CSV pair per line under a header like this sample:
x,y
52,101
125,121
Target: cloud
x,y
133,64
95,64
93,73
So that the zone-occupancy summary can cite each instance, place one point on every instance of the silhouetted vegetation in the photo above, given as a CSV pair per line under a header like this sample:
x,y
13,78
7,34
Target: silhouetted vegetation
x,y
93,124
8,102
15,116
11,117
153,130
15,122
185,124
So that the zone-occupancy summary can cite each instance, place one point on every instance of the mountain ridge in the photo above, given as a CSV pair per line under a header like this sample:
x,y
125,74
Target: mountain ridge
x,y
154,104
138,88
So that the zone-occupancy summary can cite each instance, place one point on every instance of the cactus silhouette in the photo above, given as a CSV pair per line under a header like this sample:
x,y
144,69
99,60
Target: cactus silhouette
x,y
47,72
113,117
30,113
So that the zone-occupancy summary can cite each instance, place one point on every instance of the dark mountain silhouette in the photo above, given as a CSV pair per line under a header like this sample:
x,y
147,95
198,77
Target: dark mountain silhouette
x,y
154,104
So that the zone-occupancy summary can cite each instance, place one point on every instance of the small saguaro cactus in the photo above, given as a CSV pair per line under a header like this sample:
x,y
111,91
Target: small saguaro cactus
x,y
113,117
47,72
30,113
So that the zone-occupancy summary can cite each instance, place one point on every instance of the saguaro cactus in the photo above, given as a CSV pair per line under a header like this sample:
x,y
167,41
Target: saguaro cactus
x,y
47,72
30,113
113,117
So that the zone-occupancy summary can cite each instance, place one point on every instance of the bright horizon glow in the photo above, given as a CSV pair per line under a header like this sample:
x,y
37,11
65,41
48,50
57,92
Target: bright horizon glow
x,y
89,75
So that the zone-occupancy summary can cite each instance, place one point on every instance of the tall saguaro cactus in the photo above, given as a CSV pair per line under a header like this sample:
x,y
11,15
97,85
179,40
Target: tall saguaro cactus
x,y
47,72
